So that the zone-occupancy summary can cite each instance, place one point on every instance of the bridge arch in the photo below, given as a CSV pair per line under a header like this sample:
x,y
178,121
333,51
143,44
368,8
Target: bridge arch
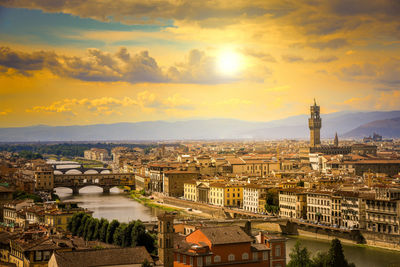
x,y
73,171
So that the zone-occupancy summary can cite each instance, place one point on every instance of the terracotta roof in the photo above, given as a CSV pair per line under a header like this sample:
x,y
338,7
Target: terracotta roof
x,y
225,235
102,257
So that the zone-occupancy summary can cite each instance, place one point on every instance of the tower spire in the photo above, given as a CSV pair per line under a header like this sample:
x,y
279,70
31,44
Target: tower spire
x,y
336,141
315,102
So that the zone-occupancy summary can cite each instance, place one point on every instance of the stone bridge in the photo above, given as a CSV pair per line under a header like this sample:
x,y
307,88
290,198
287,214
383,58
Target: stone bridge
x,y
103,180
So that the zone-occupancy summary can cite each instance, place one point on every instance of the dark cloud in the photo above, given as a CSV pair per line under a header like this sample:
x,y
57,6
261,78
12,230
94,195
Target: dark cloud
x,y
26,62
331,44
120,66
387,74
292,58
321,59
139,11
259,55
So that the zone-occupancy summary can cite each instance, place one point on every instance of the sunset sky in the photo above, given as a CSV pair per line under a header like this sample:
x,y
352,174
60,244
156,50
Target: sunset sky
x,y
68,62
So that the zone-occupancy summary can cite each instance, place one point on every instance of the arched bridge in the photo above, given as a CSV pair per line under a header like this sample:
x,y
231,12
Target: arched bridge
x,y
103,180
82,169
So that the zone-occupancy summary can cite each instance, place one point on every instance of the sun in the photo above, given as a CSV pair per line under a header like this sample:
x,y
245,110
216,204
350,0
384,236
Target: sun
x,y
228,62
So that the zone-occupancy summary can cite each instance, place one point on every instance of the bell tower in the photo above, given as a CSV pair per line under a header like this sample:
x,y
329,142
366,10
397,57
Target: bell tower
x,y
166,239
314,123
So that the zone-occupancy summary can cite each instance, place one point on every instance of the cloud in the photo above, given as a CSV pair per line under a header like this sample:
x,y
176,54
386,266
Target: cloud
x,y
160,11
23,63
331,44
320,59
292,58
386,73
112,105
259,55
98,65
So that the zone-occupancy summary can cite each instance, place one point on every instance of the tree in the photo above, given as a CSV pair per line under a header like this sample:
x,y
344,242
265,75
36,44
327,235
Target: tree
x,y
146,263
91,229
336,256
137,231
110,231
86,227
75,222
320,260
118,237
103,231
299,256
96,230
82,225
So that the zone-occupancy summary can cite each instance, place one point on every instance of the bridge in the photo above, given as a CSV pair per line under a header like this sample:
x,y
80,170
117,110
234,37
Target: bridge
x,y
103,180
82,169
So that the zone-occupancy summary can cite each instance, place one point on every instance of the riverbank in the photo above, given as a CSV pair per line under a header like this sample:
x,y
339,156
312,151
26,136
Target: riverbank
x,y
151,203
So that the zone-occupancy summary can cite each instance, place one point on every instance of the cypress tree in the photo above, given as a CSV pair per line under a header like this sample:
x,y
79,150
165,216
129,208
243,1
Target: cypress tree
x,y
110,231
103,231
82,225
118,237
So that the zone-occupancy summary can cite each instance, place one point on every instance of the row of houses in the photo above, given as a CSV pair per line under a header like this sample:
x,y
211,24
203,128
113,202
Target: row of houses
x,y
376,211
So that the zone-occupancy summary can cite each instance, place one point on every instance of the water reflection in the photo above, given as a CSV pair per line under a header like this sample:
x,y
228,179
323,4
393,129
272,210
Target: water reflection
x,y
110,206
361,256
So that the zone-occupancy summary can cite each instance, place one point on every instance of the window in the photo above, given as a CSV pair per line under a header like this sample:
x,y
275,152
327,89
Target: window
x,y
255,255
199,261
184,259
245,256
231,257
178,257
277,251
38,256
208,260
265,255
191,261
217,258
46,255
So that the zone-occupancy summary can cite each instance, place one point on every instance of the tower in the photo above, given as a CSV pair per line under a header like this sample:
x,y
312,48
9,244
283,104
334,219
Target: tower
x,y
336,141
166,239
314,123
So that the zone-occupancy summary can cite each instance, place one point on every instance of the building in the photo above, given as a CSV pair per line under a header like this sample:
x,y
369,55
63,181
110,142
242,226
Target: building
x,y
292,204
190,191
165,239
101,257
12,208
382,211
220,246
142,182
277,245
97,154
62,214
173,181
314,123
44,178
226,194
319,207
252,193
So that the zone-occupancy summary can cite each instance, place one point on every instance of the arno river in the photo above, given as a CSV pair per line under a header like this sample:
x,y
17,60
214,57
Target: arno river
x,y
117,206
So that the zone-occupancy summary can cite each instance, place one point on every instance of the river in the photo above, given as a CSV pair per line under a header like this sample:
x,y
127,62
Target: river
x,y
117,206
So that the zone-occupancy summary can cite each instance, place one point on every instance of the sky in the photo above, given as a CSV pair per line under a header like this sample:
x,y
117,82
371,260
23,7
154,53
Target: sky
x,y
73,62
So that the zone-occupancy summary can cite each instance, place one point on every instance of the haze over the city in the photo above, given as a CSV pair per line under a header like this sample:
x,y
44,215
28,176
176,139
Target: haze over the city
x,y
85,62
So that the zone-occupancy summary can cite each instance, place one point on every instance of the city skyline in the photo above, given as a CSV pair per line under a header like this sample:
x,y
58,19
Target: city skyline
x,y
71,63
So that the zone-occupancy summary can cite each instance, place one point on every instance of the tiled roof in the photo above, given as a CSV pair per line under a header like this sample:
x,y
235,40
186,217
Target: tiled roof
x,y
102,257
225,235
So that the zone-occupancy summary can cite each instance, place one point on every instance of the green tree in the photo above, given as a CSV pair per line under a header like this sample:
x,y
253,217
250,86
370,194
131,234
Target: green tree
x,y
103,231
138,230
75,222
96,230
110,231
118,237
86,227
146,263
299,256
336,256
82,225
91,229
320,260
